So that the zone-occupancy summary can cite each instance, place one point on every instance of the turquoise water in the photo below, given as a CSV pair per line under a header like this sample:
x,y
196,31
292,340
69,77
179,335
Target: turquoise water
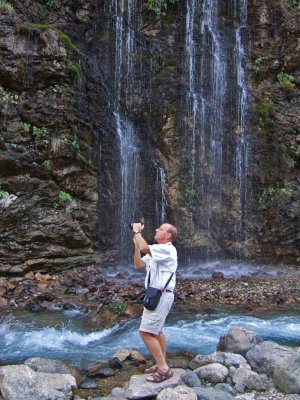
x,y
70,337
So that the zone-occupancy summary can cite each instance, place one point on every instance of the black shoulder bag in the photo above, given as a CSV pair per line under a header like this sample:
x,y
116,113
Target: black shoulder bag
x,y
152,295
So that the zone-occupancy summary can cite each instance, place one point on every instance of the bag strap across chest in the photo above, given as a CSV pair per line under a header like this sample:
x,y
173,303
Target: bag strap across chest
x,y
165,284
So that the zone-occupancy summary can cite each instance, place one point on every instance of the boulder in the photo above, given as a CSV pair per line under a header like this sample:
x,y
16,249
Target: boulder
x,y
265,356
180,392
122,354
53,367
224,387
139,388
125,354
136,356
213,373
238,340
287,374
212,394
20,382
119,393
191,379
227,359
250,379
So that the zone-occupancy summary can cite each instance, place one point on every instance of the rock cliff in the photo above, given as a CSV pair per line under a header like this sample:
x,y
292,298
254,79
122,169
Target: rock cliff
x,y
60,166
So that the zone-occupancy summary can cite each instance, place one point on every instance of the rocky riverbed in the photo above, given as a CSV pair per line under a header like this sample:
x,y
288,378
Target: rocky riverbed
x,y
243,367
108,300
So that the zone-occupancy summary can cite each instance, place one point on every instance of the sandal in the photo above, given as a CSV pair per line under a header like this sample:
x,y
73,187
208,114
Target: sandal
x,y
151,369
159,376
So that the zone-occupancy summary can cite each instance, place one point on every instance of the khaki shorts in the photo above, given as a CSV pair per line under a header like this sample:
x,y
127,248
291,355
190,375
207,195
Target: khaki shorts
x,y
153,321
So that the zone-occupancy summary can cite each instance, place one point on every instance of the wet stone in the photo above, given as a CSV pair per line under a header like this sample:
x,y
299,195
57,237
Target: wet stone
x,y
89,385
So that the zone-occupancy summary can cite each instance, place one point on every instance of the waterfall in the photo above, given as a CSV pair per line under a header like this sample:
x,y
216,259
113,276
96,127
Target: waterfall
x,y
125,29
217,146
243,148
161,202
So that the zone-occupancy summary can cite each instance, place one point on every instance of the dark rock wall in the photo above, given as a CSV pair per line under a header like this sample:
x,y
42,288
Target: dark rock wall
x,y
274,83
59,158
49,144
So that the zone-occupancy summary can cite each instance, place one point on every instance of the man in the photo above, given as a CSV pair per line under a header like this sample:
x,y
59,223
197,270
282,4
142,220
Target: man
x,y
160,262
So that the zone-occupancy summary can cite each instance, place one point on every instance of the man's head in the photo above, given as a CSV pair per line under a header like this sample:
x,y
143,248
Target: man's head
x,y
165,233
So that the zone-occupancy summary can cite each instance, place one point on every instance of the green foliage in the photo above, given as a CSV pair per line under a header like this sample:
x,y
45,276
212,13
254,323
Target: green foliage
x,y
65,197
47,165
286,81
258,66
273,193
7,96
159,5
3,194
38,133
266,111
75,70
6,7
117,308
189,192
51,4
74,143
295,5
28,27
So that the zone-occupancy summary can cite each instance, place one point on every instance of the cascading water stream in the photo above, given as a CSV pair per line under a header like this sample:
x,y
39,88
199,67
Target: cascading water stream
x,y
161,202
125,51
206,77
215,86
243,149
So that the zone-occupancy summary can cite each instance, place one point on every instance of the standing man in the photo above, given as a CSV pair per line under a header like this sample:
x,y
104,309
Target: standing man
x,y
160,261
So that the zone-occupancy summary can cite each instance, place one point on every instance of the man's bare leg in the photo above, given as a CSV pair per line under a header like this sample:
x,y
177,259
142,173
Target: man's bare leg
x,y
163,343
156,349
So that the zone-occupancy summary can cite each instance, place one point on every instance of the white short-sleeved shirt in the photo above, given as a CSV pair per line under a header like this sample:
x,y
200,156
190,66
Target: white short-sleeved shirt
x,y
161,262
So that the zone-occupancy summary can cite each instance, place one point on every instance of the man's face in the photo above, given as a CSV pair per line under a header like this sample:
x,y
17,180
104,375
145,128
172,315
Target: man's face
x,y
161,234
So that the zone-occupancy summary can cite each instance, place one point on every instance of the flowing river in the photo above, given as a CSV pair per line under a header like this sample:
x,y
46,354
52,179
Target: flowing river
x,y
69,337
72,337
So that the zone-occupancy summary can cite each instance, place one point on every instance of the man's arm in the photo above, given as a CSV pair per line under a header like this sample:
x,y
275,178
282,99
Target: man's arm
x,y
138,262
139,240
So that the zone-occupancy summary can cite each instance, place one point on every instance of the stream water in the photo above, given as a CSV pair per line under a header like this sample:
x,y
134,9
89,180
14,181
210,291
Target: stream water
x,y
71,337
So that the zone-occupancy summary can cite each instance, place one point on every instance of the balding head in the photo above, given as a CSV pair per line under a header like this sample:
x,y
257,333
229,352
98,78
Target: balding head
x,y
172,230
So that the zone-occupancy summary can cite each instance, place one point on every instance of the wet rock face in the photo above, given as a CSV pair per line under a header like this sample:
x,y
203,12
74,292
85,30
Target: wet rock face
x,y
55,116
274,85
48,166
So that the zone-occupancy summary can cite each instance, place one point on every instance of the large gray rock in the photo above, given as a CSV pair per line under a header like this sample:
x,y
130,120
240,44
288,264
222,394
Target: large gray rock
x,y
213,373
266,356
139,388
212,394
238,340
180,392
191,379
287,374
250,379
20,382
53,367
227,359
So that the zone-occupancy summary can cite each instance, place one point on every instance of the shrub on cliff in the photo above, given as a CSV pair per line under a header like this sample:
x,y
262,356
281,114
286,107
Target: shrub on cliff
x,y
6,7
159,5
